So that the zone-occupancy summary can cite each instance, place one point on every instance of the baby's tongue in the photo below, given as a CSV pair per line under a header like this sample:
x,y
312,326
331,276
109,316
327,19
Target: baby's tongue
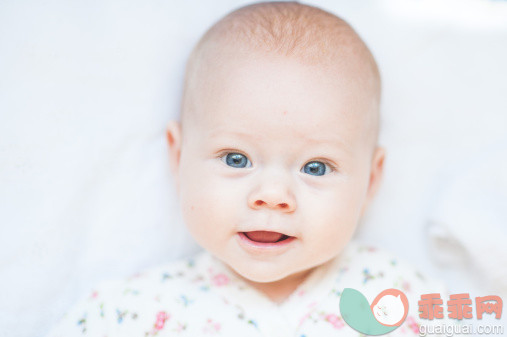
x,y
263,236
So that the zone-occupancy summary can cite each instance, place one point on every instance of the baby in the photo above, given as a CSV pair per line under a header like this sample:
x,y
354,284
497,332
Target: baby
x,y
275,161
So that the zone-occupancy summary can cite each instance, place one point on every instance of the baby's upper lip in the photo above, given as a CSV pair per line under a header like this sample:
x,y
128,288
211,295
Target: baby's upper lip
x,y
267,230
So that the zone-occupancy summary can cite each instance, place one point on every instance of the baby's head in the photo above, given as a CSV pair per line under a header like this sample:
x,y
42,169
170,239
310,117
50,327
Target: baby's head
x,y
278,134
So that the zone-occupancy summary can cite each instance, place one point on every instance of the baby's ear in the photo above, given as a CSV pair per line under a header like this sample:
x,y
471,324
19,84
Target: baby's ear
x,y
376,172
173,134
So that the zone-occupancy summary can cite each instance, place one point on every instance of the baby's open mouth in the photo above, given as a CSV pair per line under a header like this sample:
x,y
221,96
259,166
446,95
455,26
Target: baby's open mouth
x,y
265,236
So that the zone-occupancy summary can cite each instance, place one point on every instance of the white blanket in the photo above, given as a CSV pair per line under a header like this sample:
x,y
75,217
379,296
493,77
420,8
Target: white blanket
x,y
468,227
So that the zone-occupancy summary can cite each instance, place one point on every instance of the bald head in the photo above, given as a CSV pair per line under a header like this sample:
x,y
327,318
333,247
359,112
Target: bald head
x,y
305,33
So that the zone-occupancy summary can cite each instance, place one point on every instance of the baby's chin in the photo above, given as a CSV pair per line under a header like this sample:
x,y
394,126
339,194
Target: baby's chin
x,y
266,274
259,273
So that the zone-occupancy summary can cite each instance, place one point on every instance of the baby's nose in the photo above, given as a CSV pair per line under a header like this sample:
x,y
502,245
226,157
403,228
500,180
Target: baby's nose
x,y
273,195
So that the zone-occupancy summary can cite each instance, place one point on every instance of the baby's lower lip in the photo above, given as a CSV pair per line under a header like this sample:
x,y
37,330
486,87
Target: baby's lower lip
x,y
256,246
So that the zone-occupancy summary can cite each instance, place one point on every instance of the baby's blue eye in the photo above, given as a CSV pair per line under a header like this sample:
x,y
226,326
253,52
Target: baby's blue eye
x,y
315,168
237,160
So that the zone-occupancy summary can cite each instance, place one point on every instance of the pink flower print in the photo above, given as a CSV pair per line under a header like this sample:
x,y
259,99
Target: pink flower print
x,y
180,327
303,319
211,326
94,294
220,280
366,248
335,321
412,324
406,286
134,276
301,292
162,317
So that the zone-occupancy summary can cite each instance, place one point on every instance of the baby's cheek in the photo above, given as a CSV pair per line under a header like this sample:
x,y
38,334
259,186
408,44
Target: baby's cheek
x,y
330,223
208,210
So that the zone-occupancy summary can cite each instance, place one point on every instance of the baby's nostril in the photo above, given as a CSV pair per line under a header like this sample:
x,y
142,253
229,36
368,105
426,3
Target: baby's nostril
x,y
260,203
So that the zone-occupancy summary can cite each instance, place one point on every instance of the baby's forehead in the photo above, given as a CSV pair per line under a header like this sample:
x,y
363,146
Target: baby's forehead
x,y
272,93
291,31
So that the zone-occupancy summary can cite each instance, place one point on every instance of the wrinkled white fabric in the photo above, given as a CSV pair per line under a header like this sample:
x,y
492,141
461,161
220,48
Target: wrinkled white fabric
x,y
467,224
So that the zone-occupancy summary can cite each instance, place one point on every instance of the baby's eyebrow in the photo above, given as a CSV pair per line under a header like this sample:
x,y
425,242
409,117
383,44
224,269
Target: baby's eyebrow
x,y
245,134
323,140
312,139
333,143
238,133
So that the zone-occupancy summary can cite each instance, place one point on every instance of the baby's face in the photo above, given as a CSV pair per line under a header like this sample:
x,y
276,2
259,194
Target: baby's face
x,y
272,145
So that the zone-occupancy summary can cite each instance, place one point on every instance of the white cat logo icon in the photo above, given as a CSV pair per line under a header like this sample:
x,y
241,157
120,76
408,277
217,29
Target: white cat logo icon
x,y
390,307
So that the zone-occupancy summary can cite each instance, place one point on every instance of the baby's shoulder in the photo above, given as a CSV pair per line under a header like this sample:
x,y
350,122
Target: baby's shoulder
x,y
142,303
158,283
181,270
369,265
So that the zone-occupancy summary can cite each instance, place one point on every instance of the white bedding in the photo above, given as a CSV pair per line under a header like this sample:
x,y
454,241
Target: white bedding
x,y
86,89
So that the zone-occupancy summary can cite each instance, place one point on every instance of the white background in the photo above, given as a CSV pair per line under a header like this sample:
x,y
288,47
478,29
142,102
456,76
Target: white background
x,y
87,87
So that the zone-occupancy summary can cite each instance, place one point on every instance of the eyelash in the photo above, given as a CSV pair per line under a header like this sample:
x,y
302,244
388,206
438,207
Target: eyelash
x,y
332,167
